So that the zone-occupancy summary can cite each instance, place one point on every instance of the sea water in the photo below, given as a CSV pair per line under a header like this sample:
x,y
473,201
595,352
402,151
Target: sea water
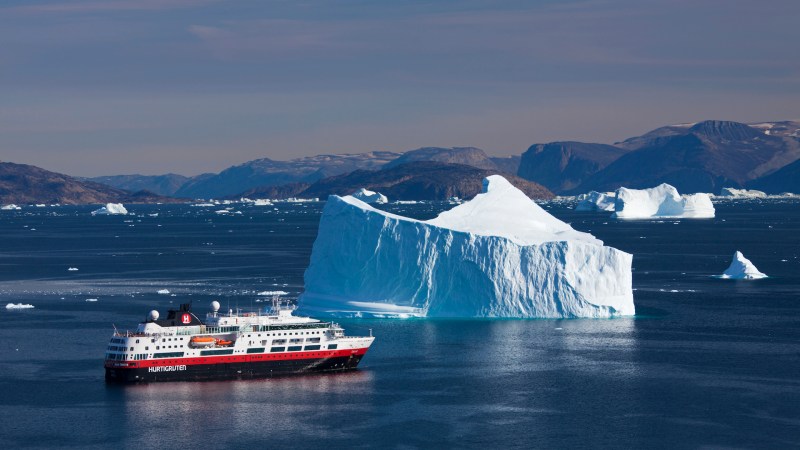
x,y
705,363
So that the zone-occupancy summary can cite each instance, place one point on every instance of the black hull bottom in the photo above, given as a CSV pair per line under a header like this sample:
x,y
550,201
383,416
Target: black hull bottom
x,y
231,371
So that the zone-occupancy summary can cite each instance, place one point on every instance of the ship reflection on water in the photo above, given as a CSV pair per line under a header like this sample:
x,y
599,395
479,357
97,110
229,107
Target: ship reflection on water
x,y
296,405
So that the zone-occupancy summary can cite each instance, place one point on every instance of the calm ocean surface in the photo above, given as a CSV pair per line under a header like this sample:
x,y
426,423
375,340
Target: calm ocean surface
x,y
706,362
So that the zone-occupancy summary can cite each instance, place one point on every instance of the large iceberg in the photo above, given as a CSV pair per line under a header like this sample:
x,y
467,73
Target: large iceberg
x,y
368,196
110,208
662,201
742,269
498,255
596,201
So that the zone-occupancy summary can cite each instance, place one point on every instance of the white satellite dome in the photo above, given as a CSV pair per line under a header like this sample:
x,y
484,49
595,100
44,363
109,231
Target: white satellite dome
x,y
153,315
215,306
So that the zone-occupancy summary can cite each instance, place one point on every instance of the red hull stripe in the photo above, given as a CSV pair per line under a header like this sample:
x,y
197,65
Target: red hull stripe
x,y
241,358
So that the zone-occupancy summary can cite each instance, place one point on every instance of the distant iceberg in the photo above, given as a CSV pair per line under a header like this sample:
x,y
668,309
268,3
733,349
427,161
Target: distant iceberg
x,y
163,292
741,269
662,201
109,209
596,201
368,196
741,193
18,306
273,293
497,255
11,207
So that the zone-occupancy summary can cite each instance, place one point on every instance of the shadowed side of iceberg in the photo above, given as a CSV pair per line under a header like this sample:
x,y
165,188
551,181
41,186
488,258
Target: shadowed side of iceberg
x,y
369,263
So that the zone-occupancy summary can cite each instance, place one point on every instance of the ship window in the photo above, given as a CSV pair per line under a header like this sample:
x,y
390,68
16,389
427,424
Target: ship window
x,y
131,349
137,341
146,347
333,346
295,348
312,347
158,347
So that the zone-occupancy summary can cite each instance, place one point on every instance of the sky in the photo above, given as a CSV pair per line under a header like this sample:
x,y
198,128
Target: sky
x,y
105,87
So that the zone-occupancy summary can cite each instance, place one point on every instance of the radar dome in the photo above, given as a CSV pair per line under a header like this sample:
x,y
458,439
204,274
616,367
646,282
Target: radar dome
x,y
215,305
153,315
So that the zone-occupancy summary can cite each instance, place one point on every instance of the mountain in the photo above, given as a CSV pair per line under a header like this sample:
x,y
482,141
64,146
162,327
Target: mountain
x,y
282,191
508,164
419,180
561,166
468,156
160,184
268,172
24,184
786,179
701,157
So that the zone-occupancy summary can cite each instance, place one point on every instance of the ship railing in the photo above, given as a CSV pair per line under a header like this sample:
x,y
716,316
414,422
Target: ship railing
x,y
247,328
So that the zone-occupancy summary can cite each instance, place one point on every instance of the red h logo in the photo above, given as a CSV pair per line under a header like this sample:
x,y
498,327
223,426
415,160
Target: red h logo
x,y
186,318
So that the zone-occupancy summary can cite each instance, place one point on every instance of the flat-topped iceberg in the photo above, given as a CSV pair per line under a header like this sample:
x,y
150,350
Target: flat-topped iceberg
x,y
368,196
662,201
741,269
497,255
596,201
110,208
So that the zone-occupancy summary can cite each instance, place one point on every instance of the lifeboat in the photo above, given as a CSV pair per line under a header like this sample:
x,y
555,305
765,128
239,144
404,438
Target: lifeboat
x,y
224,343
202,341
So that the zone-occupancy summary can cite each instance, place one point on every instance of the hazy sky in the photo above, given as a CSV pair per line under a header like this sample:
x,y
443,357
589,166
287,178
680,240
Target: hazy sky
x,y
100,87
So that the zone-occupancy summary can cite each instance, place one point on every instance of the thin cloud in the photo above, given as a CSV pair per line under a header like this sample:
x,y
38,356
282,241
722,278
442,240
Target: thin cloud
x,y
110,6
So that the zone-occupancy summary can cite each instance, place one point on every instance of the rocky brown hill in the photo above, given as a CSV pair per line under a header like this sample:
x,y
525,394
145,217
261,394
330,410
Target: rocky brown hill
x,y
24,184
422,180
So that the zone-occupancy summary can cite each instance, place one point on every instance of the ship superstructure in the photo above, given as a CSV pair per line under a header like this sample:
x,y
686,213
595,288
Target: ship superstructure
x,y
232,345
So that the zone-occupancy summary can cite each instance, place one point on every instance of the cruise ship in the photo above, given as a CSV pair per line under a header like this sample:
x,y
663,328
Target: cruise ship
x,y
232,345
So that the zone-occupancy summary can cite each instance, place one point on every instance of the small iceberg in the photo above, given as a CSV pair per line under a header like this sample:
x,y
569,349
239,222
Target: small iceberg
x,y
596,201
262,202
110,209
662,201
367,196
741,269
163,291
11,207
73,269
19,306
91,299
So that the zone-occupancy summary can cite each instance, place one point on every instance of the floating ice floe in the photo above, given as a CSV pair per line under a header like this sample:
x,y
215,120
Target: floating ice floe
x,y
110,209
596,201
497,255
262,202
741,269
163,291
72,269
11,207
662,201
91,299
273,293
368,196
19,306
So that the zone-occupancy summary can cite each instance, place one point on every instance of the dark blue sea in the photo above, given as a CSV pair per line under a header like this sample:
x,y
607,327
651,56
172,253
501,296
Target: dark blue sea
x,y
706,363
